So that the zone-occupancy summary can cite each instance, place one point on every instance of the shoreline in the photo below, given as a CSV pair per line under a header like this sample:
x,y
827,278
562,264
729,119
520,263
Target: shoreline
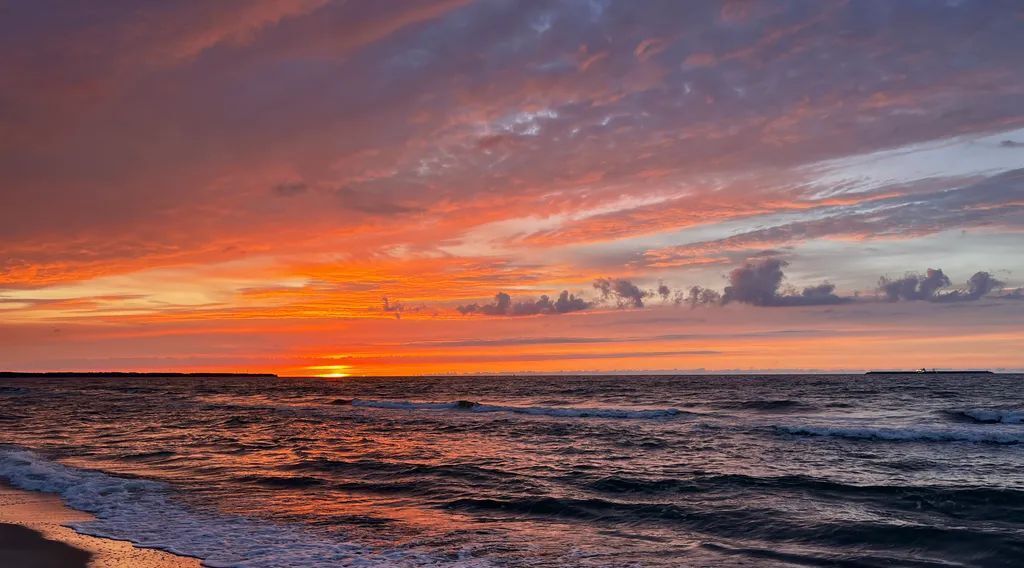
x,y
33,534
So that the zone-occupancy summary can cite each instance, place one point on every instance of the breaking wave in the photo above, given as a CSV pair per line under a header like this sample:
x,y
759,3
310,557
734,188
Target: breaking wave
x,y
562,412
991,415
764,524
146,513
907,434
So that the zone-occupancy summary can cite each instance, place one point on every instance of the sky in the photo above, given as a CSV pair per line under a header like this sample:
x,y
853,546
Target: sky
x,y
314,187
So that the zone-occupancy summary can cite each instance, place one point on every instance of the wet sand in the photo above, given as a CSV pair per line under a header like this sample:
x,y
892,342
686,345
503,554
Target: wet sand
x,y
32,535
21,546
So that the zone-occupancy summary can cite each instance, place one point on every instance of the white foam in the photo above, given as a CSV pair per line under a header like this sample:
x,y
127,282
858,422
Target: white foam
x,y
147,514
995,415
910,434
564,412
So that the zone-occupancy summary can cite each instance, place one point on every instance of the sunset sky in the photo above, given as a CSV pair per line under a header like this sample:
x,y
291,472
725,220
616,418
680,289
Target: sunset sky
x,y
356,188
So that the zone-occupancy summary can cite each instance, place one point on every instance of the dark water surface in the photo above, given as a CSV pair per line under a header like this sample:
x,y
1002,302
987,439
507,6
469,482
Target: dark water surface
x,y
535,471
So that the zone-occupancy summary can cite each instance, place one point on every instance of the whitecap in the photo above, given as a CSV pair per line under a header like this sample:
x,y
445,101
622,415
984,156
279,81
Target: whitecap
x,y
147,514
896,434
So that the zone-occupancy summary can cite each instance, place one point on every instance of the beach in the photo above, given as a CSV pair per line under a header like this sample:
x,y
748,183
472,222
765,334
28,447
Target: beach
x,y
33,535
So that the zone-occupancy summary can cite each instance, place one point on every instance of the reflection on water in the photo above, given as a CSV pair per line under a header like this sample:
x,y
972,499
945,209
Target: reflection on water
x,y
537,471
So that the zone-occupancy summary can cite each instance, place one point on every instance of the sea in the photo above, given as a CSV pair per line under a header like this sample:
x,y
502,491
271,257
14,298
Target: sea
x,y
538,471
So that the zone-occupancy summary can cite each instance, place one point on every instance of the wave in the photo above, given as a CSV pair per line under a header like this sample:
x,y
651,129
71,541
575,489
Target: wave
x,y
784,405
817,558
561,412
582,509
991,415
751,523
280,481
145,456
146,513
372,474
907,434
980,503
460,406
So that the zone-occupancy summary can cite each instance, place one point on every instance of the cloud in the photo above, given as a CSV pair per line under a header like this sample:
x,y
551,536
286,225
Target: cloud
x,y
504,306
1011,144
297,108
823,293
623,292
913,286
927,287
699,296
664,291
372,203
757,283
418,121
290,188
393,307
896,212
1016,294
980,284
501,306
567,302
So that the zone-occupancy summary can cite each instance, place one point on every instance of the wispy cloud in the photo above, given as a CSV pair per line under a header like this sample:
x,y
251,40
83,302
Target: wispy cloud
x,y
299,160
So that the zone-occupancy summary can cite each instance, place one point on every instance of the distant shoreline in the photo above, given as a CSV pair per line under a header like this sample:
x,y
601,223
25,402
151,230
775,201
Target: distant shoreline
x,y
964,372
74,374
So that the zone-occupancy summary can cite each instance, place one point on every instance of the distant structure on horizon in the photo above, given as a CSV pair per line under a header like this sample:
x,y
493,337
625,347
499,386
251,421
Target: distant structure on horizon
x,y
923,371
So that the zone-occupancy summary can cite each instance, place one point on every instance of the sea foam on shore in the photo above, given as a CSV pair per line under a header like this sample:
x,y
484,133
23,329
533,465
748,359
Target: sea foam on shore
x,y
147,514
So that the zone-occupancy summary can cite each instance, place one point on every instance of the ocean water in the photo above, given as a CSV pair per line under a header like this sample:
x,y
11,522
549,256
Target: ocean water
x,y
534,471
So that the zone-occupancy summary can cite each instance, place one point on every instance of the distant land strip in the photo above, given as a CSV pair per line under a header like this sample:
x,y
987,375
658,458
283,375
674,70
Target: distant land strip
x,y
964,372
72,374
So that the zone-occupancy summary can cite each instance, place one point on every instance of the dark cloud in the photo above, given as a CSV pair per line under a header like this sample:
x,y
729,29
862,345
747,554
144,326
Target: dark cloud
x,y
1011,144
914,286
372,203
1016,294
664,291
699,296
823,293
928,286
755,283
501,306
494,141
622,291
758,283
980,284
290,188
393,307
504,306
567,302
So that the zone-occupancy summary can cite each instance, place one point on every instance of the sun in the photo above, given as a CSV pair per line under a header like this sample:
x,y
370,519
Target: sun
x,y
330,371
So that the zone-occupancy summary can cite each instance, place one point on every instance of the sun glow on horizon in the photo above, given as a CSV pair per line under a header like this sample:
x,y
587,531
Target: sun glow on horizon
x,y
331,371
624,189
